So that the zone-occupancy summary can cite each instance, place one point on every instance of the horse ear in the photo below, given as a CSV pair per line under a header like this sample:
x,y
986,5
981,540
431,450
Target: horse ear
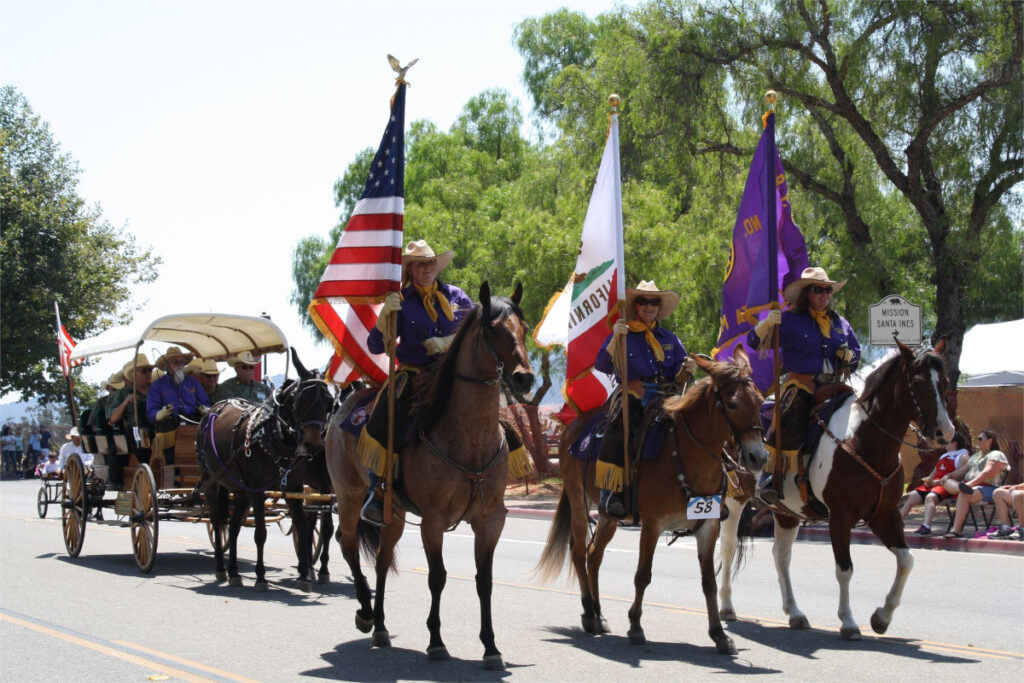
x,y
905,351
485,299
703,362
940,348
299,367
517,295
740,357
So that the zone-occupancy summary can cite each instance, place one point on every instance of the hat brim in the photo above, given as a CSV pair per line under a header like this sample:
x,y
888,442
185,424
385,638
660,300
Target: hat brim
x,y
669,301
161,362
793,289
443,260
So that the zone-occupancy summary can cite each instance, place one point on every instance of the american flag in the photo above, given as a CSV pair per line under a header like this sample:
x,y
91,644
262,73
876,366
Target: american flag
x,y
65,345
367,261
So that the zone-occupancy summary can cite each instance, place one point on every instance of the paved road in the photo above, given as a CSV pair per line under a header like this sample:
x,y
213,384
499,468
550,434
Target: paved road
x,y
96,618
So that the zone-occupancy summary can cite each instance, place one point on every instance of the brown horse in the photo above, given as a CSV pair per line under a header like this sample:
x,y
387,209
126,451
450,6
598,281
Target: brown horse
x,y
857,474
454,471
720,409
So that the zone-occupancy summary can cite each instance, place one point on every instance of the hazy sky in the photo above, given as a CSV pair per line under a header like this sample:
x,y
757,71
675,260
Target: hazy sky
x,y
213,130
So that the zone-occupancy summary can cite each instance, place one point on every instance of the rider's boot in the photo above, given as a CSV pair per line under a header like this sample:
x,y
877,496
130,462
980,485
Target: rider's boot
x,y
372,511
766,491
612,503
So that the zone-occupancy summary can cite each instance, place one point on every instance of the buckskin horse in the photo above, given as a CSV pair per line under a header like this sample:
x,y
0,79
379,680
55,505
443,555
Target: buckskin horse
x,y
857,474
722,408
454,470
247,449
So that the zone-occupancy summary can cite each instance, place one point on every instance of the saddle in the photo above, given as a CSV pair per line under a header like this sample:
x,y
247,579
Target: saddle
x,y
827,400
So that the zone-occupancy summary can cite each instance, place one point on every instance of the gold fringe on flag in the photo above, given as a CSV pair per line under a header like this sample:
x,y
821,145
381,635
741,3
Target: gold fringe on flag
x,y
608,476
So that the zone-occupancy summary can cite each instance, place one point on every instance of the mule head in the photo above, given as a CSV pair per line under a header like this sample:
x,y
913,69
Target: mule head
x,y
309,404
739,401
925,388
505,328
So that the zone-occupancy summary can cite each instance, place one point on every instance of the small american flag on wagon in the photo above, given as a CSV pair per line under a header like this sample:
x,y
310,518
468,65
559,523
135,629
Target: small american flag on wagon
x,y
65,345
367,261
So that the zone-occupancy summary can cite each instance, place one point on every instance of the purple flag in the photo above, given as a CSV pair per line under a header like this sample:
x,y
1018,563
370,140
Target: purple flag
x,y
747,292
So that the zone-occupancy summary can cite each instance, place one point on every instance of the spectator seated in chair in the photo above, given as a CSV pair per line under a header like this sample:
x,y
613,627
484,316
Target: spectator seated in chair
x,y
986,470
1004,498
941,484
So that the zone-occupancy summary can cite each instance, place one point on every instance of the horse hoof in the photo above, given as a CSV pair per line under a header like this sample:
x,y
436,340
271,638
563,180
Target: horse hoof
x,y
602,624
727,615
221,576
381,639
438,654
493,663
261,586
323,578
850,633
799,622
725,646
877,624
305,585
235,581
364,624
591,625
636,636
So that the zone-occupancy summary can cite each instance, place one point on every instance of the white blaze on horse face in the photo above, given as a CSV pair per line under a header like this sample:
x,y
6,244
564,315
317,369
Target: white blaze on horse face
x,y
942,421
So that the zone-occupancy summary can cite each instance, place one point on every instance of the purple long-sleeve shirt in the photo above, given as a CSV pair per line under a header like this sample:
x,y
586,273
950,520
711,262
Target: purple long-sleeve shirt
x,y
185,397
641,363
805,349
415,325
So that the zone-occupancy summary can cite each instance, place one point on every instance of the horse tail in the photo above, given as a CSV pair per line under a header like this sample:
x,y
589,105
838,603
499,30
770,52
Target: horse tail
x,y
369,542
553,557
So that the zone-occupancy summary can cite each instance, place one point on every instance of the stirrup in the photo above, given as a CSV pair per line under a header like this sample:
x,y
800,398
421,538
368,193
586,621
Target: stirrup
x,y
612,504
372,511
766,492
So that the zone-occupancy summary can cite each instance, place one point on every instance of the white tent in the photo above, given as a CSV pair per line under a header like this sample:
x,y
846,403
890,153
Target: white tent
x,y
989,357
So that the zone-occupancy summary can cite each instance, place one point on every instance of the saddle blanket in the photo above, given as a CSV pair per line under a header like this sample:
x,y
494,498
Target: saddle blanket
x,y
587,445
356,419
813,434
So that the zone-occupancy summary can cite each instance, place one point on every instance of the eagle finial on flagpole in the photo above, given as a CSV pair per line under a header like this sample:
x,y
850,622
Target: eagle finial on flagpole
x,y
400,70
770,96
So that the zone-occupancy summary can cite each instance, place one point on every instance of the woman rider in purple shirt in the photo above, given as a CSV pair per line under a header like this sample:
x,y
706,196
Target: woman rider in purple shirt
x,y
654,357
429,315
816,344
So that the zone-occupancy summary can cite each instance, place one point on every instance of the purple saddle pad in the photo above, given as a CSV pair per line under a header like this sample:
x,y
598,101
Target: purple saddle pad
x,y
356,419
588,444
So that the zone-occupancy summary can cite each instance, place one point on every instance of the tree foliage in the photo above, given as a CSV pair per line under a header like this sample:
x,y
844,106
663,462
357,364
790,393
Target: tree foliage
x,y
54,248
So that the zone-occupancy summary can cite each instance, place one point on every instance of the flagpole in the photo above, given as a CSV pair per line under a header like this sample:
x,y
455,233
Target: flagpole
x,y
67,376
388,494
773,267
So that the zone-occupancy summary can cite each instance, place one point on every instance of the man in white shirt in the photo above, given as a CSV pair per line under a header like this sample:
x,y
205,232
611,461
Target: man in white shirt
x,y
74,446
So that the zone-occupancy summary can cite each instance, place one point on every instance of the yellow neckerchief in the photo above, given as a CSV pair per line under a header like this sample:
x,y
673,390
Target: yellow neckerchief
x,y
430,295
824,321
641,326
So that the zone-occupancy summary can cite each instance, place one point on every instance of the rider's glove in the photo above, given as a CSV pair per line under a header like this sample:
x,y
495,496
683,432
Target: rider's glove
x,y
436,345
164,412
845,354
763,328
690,365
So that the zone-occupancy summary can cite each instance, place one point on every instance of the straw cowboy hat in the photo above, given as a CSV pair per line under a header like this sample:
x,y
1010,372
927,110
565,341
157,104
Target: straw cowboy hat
x,y
114,382
810,276
172,352
669,299
209,367
194,367
128,371
244,358
419,250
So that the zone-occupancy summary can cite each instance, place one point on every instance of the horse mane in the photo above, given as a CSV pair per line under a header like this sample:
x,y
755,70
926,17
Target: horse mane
x,y
675,404
436,397
880,377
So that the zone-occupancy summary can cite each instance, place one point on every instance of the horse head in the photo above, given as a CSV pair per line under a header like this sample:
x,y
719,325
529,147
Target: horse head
x,y
504,328
737,398
305,405
924,389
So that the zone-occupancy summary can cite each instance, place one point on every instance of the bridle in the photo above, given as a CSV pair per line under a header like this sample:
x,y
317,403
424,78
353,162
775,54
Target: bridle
x,y
737,433
918,417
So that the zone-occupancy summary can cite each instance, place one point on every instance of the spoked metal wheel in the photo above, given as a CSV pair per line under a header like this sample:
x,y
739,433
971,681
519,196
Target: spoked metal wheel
x,y
144,519
42,501
73,505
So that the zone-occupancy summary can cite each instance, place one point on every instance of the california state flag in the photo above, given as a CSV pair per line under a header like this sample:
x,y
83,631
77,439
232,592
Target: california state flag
x,y
580,316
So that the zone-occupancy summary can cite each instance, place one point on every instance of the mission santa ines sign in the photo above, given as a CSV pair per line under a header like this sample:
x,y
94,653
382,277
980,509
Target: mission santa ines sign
x,y
895,318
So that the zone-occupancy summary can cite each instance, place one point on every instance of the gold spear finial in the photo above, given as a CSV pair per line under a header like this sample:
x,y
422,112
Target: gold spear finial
x,y
400,70
614,101
771,96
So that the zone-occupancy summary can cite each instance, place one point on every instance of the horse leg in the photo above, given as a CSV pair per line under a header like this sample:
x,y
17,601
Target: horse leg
x,y
385,559
486,538
727,544
437,577
839,530
218,506
260,535
326,531
301,528
348,539
606,527
649,534
889,530
241,508
707,536
786,531
580,528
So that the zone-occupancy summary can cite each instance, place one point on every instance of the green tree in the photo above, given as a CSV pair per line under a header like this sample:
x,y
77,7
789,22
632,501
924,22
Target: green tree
x,y
900,127
53,248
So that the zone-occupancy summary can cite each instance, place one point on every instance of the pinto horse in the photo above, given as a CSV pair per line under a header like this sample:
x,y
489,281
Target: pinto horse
x,y
454,470
722,408
247,449
857,473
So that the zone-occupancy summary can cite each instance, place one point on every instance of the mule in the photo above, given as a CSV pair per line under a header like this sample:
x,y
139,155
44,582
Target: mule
x,y
857,474
454,470
246,449
722,408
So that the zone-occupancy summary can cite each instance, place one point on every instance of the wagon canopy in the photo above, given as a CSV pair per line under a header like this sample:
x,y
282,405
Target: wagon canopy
x,y
208,335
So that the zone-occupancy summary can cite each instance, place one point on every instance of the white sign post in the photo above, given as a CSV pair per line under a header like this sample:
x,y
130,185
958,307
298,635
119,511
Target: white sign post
x,y
895,318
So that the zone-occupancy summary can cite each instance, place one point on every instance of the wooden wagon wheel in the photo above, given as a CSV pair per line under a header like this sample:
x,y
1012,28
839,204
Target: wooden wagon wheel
x,y
144,519
42,500
73,505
